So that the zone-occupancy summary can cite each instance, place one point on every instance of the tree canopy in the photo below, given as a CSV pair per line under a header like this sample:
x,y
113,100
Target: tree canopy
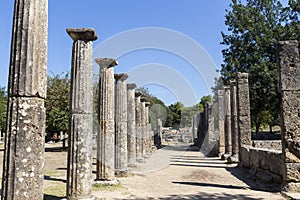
x,y
3,108
254,28
57,103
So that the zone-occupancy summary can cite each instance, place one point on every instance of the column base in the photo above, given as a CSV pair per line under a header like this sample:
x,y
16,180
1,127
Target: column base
x,y
122,172
140,160
233,159
225,156
132,165
106,182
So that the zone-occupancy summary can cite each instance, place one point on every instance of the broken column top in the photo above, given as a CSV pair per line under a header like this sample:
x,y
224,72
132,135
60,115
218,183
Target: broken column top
x,y
85,34
147,103
288,65
131,86
242,75
106,62
121,77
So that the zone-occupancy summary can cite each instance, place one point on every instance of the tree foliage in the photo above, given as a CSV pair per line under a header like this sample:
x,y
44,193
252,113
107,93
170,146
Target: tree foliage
x,y
254,28
3,108
57,103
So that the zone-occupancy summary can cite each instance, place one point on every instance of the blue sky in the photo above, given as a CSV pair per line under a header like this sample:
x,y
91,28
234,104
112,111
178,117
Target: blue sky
x,y
184,30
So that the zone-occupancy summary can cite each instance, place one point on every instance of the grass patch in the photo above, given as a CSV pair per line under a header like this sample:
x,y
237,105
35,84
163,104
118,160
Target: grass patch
x,y
54,173
57,191
110,188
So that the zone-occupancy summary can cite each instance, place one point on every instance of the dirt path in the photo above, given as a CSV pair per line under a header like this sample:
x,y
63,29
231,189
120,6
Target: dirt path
x,y
170,173
173,173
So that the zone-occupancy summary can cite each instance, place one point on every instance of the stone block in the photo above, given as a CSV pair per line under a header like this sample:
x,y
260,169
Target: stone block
x,y
292,172
288,63
244,156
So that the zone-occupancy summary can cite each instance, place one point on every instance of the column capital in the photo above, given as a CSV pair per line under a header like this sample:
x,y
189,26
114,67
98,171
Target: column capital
x,y
106,62
147,103
85,34
121,77
131,86
232,82
138,94
143,99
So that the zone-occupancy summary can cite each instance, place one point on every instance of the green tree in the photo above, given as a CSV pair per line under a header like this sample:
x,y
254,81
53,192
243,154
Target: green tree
x,y
57,103
254,28
174,116
3,108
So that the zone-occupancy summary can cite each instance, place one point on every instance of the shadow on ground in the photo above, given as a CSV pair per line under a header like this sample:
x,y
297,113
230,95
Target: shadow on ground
x,y
242,174
56,149
51,197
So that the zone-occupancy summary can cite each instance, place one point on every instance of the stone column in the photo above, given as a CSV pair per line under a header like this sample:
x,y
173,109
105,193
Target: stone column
x,y
195,123
131,129
138,123
23,164
148,137
106,135
228,146
243,109
288,63
79,178
143,126
121,124
158,132
234,158
221,121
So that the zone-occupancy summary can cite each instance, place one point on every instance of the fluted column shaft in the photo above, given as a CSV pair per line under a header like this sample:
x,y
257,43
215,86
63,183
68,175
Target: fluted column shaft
x,y
79,178
121,122
106,136
131,125
23,165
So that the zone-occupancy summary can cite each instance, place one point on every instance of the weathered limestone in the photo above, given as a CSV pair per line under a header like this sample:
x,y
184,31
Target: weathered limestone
x,y
288,63
221,121
79,178
144,126
234,158
121,165
158,135
106,137
228,145
138,123
131,128
148,137
195,123
243,103
23,164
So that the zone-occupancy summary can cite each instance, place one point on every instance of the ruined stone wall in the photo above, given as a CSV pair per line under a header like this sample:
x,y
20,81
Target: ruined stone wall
x,y
267,144
266,161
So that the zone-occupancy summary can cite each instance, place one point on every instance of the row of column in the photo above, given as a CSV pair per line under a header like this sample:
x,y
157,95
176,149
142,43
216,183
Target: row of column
x,y
234,117
123,137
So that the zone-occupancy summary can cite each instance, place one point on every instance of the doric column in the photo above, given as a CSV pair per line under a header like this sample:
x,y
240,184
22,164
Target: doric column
x,y
143,126
106,137
79,178
288,63
234,126
23,164
221,121
158,135
138,123
148,137
131,128
228,147
121,124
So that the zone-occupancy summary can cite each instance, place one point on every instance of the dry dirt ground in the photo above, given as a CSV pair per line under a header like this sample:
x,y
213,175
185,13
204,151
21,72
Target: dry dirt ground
x,y
169,173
